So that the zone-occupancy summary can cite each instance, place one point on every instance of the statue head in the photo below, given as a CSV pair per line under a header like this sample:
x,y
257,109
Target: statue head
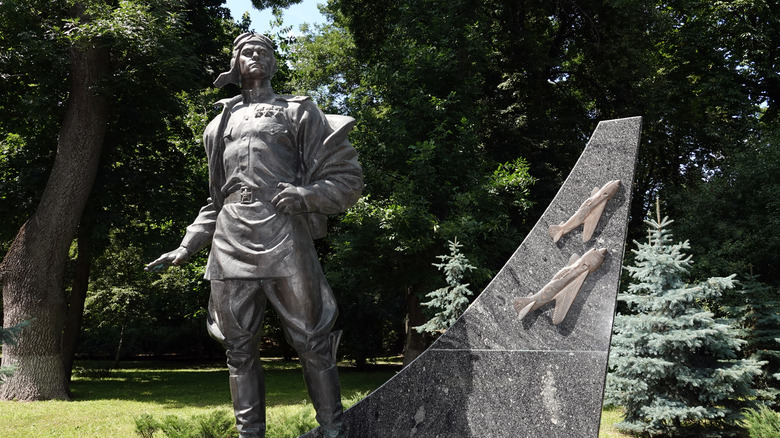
x,y
257,45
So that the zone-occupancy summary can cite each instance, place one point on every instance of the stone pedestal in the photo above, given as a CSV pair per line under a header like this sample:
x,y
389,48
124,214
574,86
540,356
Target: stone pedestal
x,y
495,375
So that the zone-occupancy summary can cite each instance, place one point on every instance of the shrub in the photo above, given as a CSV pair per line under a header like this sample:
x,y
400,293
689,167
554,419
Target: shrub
x,y
293,420
217,424
762,422
288,422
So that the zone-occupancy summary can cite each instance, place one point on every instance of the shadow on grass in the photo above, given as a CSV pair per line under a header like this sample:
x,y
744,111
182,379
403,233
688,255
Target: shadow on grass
x,y
177,384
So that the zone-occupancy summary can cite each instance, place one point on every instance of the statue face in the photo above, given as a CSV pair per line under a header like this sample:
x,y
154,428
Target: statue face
x,y
255,62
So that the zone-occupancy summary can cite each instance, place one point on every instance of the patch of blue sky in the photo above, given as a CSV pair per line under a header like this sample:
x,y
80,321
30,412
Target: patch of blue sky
x,y
295,15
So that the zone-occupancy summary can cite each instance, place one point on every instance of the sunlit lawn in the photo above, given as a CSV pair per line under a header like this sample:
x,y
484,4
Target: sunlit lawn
x,y
106,403
609,417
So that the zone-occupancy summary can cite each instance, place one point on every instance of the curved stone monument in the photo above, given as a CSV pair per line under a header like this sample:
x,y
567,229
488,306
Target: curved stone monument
x,y
528,358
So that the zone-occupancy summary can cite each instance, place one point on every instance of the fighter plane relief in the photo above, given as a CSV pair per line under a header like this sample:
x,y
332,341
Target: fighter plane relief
x,y
564,286
588,214
566,283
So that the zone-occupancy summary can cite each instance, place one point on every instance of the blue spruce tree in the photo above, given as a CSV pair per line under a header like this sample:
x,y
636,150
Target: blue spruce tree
x,y
452,300
673,366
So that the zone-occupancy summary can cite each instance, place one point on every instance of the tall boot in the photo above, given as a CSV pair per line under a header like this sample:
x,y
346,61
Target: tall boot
x,y
325,392
248,392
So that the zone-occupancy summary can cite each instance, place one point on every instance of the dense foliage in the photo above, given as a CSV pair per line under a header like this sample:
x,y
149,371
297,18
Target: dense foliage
x,y
158,50
530,79
744,193
429,176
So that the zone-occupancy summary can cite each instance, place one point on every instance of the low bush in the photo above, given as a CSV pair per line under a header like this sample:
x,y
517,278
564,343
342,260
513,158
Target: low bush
x,y
216,424
762,423
292,420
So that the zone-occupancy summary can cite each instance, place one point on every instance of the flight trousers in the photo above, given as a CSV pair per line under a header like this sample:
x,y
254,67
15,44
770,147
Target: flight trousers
x,y
307,309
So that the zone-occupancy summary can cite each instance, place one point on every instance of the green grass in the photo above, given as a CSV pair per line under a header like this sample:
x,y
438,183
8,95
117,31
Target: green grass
x,y
610,416
106,403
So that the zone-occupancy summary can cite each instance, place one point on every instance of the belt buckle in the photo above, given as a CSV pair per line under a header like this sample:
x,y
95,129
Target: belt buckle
x,y
246,195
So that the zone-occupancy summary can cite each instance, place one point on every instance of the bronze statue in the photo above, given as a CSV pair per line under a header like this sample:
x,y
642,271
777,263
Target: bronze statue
x,y
277,167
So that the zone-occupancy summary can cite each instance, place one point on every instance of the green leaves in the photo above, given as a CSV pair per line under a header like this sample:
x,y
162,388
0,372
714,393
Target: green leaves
x,y
414,76
264,4
135,25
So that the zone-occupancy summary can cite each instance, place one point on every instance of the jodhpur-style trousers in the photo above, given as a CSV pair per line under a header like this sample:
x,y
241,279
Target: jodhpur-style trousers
x,y
307,309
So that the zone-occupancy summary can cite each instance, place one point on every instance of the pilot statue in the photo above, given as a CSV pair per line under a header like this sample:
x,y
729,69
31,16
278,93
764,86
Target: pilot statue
x,y
277,167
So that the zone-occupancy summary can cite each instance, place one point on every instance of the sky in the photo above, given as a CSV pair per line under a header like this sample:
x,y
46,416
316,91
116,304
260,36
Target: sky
x,y
295,15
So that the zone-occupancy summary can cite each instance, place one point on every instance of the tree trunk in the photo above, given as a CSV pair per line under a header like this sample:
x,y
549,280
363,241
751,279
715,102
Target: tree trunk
x,y
78,296
416,342
118,355
32,272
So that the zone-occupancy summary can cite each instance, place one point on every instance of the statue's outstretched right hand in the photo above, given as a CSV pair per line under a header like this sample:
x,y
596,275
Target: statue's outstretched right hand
x,y
175,257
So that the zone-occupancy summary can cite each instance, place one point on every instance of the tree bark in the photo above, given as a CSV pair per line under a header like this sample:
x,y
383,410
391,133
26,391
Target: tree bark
x,y
416,342
121,342
33,269
78,295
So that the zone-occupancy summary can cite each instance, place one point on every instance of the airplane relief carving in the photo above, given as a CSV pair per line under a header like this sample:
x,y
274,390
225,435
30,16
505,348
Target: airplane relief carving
x,y
588,214
564,286
566,283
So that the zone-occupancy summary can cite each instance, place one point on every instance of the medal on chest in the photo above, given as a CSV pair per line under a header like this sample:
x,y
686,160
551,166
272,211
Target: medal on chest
x,y
269,111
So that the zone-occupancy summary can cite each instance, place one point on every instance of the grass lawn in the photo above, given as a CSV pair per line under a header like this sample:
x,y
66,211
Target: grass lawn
x,y
107,402
609,417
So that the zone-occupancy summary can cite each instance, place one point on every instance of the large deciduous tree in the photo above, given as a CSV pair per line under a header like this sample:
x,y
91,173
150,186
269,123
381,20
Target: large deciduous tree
x,y
429,177
92,45
32,271
152,164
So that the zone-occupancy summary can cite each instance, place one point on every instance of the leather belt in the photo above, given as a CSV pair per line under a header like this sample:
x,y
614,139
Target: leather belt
x,y
247,195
